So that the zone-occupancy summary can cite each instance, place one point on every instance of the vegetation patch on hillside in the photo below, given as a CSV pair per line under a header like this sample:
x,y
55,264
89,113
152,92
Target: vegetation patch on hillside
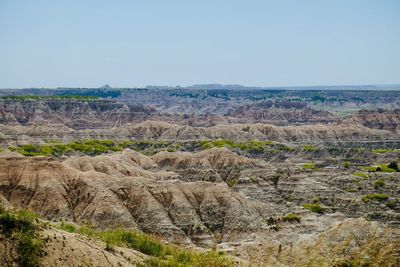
x,y
379,183
391,167
309,166
87,147
309,148
381,151
361,175
161,254
375,197
314,208
292,218
94,147
20,227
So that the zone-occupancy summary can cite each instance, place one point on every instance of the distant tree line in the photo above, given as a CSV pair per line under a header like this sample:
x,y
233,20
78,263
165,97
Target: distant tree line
x,y
94,92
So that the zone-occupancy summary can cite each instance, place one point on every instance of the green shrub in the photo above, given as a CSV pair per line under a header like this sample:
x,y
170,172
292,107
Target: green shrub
x,y
309,148
393,165
352,190
346,164
94,147
316,200
375,197
87,147
232,182
314,208
67,227
379,183
391,204
20,226
383,150
143,243
87,230
309,166
276,177
254,179
360,174
160,254
380,168
285,148
292,218
109,247
29,249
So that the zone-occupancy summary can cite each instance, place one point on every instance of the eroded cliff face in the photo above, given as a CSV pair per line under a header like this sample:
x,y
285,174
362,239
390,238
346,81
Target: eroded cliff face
x,y
69,119
158,130
379,119
281,113
76,114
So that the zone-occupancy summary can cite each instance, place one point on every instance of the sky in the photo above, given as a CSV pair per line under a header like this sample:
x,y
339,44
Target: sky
x,y
84,43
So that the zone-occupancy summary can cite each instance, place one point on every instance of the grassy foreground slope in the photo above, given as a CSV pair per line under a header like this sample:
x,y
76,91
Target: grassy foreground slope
x,y
29,241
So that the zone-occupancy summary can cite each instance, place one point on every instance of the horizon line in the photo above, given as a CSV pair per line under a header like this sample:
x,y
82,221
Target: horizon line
x,y
193,86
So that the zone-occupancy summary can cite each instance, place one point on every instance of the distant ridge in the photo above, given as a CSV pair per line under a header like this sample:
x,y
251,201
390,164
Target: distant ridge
x,y
238,87
369,87
105,87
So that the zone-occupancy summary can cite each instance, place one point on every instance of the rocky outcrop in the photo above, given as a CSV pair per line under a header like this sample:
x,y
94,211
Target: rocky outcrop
x,y
156,130
281,113
76,114
379,119
319,132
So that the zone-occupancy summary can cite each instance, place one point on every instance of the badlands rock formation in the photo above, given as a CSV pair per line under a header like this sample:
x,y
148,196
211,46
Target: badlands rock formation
x,y
186,199
268,183
93,114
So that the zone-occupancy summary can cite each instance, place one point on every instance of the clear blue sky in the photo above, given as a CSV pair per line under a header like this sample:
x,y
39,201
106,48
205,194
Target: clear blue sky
x,y
169,42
